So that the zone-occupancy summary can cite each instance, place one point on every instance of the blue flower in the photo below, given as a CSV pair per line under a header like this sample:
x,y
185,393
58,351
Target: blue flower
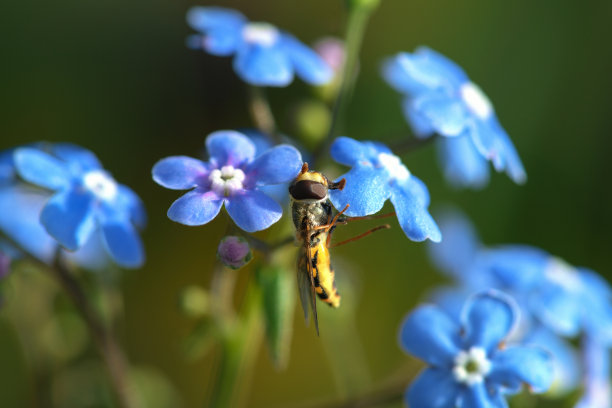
x,y
378,175
233,176
440,98
264,55
467,366
87,201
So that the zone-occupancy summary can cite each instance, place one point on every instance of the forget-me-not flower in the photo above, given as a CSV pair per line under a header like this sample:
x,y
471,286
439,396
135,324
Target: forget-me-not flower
x,y
377,175
441,99
233,176
87,201
469,365
263,54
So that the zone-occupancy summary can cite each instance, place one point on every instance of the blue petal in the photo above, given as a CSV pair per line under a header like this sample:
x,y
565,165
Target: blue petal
x,y
488,318
410,199
423,71
79,158
421,125
565,362
307,63
514,366
450,299
447,115
222,28
252,210
598,320
68,217
220,41
441,65
433,388
280,164
128,202
20,208
477,396
457,251
228,147
513,164
263,65
351,152
92,255
196,207
40,168
559,311
429,334
122,242
519,267
598,389
462,164
365,191
179,172
7,166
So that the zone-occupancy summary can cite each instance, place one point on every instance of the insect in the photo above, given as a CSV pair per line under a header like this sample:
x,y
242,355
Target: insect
x,y
314,223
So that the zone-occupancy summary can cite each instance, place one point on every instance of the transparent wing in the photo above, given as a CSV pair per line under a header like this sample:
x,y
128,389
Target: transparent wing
x,y
306,286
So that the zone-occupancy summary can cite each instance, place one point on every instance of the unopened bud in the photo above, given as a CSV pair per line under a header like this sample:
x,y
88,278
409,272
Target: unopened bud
x,y
234,252
331,49
194,301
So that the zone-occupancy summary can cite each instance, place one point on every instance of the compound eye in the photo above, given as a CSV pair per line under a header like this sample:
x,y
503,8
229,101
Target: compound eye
x,y
308,190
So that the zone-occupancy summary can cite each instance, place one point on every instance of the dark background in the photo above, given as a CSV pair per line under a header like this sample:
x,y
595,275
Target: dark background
x,y
115,77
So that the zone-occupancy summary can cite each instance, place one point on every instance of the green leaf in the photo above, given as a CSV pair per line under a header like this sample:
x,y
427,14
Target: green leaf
x,y
278,297
201,340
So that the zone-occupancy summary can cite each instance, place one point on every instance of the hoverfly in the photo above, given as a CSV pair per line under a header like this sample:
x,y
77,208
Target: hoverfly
x,y
312,217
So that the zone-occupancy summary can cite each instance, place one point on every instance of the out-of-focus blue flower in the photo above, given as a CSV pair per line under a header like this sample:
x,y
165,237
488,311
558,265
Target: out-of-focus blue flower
x,y
555,298
441,99
263,54
467,366
87,201
377,175
233,176
598,392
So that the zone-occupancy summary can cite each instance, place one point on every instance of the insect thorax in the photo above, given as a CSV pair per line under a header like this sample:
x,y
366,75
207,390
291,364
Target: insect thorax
x,y
309,215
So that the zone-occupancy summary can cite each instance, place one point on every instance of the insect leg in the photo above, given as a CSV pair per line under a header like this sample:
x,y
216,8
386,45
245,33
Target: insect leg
x,y
365,234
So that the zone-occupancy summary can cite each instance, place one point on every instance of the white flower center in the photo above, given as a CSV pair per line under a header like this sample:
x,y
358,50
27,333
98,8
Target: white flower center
x,y
476,100
226,181
260,33
472,366
101,184
563,274
394,166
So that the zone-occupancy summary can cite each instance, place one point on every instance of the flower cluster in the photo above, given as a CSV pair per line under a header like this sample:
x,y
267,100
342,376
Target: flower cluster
x,y
556,299
469,363
377,175
441,99
88,211
233,175
264,55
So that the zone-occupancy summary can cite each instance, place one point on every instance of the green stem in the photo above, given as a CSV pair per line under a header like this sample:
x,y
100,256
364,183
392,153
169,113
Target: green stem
x,y
355,30
261,113
107,344
240,347
411,144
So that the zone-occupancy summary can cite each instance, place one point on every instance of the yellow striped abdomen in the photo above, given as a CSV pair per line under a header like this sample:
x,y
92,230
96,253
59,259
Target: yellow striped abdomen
x,y
323,275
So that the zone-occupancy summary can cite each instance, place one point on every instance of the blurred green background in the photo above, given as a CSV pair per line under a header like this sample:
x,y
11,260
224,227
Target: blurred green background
x,y
115,77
